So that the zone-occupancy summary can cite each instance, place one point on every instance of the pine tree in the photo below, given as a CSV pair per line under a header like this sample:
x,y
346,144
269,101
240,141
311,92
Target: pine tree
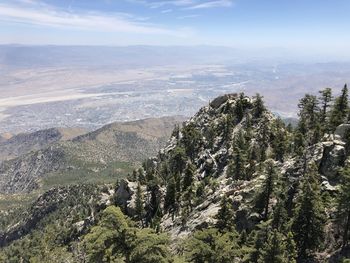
x,y
325,99
340,109
170,195
139,209
188,176
309,117
225,216
291,251
258,106
240,107
279,142
263,199
237,167
280,215
178,160
274,250
309,217
344,206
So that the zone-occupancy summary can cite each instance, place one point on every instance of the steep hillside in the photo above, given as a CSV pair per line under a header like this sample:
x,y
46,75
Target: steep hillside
x,y
100,155
233,184
23,143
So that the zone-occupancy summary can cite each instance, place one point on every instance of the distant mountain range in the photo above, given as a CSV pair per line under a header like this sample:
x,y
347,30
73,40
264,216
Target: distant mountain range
x,y
56,156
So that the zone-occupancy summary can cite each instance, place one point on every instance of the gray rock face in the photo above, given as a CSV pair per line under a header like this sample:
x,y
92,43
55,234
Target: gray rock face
x,y
22,174
123,195
342,130
216,103
333,157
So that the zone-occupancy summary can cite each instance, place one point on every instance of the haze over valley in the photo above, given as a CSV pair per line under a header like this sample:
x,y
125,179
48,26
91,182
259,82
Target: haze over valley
x,y
87,87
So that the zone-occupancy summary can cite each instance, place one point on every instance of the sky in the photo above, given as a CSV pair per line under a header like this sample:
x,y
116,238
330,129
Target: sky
x,y
322,25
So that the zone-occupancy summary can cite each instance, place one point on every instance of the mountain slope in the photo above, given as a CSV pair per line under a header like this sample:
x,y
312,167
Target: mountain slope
x,y
234,184
26,142
100,154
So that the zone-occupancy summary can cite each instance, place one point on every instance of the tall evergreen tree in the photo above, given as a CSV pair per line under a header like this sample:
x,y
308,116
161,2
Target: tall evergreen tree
x,y
344,206
268,188
291,251
170,195
188,176
225,216
325,99
309,118
340,109
274,250
308,222
139,208
236,169
258,106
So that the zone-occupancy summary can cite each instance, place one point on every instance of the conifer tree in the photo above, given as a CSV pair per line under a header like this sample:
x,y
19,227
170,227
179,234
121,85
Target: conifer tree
x,y
274,250
258,106
240,107
291,251
344,206
309,218
237,167
139,208
170,195
340,109
225,215
309,117
178,160
325,99
280,215
263,199
188,176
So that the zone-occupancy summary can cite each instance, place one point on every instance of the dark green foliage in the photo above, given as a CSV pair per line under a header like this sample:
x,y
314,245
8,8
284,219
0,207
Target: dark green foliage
x,y
149,247
340,109
209,245
178,160
258,106
274,251
344,206
279,140
309,121
107,241
267,190
188,176
225,216
191,140
309,217
113,239
139,207
170,196
325,99
280,217
236,169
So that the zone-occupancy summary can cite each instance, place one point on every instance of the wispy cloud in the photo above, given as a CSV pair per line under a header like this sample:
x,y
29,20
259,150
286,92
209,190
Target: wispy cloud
x,y
166,11
187,16
212,4
34,13
185,4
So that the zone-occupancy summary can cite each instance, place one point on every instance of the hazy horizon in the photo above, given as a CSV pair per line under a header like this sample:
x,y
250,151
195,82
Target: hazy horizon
x,y
315,27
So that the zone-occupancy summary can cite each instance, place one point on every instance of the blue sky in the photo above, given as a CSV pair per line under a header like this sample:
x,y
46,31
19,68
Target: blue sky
x,y
299,24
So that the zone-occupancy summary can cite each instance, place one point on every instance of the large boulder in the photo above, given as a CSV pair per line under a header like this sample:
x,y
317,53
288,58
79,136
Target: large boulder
x,y
342,130
123,194
333,157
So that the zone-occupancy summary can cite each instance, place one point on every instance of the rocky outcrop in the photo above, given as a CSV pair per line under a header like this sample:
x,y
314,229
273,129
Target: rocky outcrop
x,y
342,130
21,175
212,159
